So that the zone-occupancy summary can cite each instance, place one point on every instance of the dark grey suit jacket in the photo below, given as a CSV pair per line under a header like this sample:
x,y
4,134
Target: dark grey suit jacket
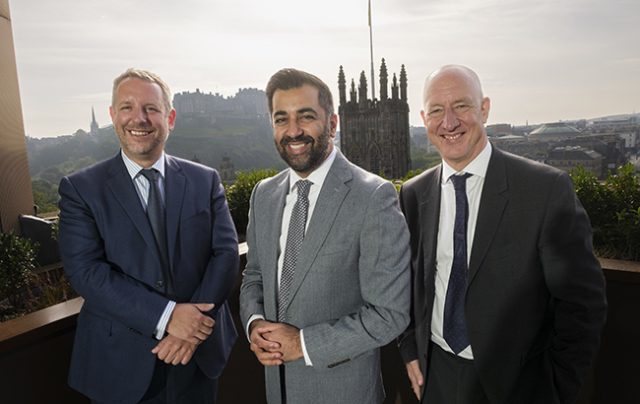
x,y
350,290
535,301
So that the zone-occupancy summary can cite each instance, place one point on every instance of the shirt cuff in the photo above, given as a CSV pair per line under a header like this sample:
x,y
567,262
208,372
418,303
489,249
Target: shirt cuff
x,y
251,320
307,360
164,320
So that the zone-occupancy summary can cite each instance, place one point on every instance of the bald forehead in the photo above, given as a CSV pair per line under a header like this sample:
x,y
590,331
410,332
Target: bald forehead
x,y
453,76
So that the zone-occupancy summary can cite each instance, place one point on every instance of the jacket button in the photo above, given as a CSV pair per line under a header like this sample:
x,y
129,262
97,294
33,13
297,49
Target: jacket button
x,y
159,284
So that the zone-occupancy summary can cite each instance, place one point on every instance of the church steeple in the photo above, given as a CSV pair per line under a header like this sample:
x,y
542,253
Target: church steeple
x,y
362,90
383,81
394,88
352,94
94,123
403,84
342,87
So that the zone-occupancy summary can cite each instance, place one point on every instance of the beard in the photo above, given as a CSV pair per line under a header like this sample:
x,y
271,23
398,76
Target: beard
x,y
306,163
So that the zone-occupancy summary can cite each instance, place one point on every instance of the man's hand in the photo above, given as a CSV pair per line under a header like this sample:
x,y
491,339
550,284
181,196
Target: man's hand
x,y
266,351
285,335
415,376
173,350
188,323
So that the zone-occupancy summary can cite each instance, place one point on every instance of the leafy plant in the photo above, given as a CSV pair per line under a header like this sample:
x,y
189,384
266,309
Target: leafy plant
x,y
17,263
239,195
614,209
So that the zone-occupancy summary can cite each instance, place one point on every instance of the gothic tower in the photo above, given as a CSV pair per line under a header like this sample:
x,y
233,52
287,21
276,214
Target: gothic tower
x,y
374,133
94,123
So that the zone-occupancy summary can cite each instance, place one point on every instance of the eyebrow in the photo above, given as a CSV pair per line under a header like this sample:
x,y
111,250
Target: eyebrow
x,y
300,111
468,100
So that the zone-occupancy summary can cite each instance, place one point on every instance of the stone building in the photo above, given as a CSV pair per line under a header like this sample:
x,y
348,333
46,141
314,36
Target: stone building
x,y
568,158
374,133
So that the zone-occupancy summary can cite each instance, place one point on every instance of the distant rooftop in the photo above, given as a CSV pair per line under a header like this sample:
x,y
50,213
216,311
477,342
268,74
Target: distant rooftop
x,y
554,130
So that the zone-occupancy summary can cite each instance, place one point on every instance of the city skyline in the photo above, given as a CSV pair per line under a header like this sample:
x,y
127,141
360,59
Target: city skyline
x,y
539,62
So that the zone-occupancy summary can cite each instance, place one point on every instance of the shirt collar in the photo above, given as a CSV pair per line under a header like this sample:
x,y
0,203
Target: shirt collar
x,y
478,166
134,168
317,176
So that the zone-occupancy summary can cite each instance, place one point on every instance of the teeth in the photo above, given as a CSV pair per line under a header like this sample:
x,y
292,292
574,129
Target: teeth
x,y
297,146
138,132
453,137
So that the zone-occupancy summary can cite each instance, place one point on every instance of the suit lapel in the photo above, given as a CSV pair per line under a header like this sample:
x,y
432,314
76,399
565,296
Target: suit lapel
x,y
123,190
174,191
273,223
493,201
327,207
429,222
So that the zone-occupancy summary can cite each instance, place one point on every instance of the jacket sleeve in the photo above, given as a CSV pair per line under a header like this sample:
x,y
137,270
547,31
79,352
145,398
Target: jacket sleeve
x,y
384,276
575,279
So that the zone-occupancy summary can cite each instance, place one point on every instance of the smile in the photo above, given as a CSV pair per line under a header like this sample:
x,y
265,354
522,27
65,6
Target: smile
x,y
452,137
137,132
298,147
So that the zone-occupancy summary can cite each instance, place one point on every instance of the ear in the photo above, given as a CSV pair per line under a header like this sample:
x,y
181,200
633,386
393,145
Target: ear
x,y
333,125
485,107
423,115
112,113
172,119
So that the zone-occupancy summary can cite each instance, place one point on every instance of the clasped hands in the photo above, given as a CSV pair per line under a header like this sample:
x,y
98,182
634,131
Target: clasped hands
x,y
275,343
188,326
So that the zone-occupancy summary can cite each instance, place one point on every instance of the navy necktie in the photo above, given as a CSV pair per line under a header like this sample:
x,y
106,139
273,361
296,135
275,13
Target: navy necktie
x,y
295,236
156,215
455,326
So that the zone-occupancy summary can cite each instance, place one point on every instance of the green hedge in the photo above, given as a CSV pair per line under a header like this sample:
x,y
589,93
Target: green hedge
x,y
613,206
239,195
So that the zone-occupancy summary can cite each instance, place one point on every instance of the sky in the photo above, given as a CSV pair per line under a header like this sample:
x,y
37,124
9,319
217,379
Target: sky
x,y
539,61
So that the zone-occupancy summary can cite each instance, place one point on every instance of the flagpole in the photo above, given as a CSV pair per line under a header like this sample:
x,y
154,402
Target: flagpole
x,y
373,77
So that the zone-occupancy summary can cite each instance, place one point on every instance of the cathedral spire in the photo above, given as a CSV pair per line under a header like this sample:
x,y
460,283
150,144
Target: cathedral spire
x,y
342,87
362,90
94,123
352,95
383,81
394,88
403,84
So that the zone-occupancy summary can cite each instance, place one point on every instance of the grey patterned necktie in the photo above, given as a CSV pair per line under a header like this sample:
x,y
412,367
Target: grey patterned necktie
x,y
294,243
156,215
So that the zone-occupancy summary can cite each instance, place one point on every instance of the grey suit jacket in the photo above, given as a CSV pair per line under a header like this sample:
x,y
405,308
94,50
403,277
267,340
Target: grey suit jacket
x,y
535,302
350,291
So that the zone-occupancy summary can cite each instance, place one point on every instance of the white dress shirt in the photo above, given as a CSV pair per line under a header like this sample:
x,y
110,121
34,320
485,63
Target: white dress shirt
x,y
142,188
317,178
444,251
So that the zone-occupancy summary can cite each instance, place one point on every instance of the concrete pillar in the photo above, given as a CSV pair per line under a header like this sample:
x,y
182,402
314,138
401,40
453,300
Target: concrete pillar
x,y
16,196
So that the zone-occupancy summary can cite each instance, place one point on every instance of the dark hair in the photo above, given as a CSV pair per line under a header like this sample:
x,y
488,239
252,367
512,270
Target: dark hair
x,y
286,79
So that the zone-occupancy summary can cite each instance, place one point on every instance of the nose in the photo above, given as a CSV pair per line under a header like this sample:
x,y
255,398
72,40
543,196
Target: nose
x,y
450,120
140,115
293,129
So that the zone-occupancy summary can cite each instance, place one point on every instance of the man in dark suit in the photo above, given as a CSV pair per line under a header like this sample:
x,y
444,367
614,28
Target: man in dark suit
x,y
322,290
508,298
147,240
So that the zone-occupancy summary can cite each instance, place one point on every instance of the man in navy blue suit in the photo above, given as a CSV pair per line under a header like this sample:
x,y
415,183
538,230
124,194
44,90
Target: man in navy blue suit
x,y
147,240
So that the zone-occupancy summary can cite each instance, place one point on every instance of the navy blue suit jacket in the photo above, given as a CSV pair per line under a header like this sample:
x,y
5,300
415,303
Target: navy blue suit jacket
x,y
109,256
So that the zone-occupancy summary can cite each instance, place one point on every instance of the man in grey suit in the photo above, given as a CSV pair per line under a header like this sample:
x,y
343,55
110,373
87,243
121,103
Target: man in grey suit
x,y
508,298
319,302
